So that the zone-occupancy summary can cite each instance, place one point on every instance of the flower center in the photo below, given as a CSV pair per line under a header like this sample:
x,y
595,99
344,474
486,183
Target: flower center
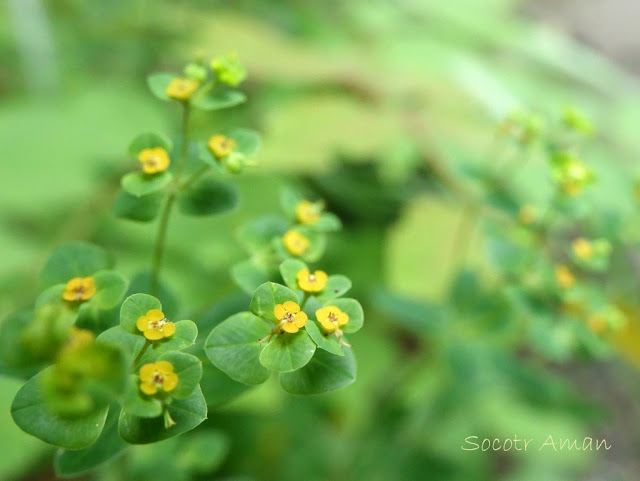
x,y
312,278
157,378
332,317
157,325
288,317
78,292
152,161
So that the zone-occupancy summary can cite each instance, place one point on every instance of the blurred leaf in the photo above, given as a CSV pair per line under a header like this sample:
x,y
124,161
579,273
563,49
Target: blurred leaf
x,y
289,269
208,197
75,259
337,286
32,416
217,98
158,83
110,288
140,184
141,209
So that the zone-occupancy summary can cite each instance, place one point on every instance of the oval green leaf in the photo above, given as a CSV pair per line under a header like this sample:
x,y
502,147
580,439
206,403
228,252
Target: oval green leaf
x,y
134,307
158,83
337,286
328,343
233,347
140,184
218,98
110,288
189,371
76,259
139,209
354,309
288,352
324,373
289,270
30,413
148,140
208,197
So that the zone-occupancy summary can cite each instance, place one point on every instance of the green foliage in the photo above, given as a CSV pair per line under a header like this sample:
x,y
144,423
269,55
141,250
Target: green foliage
x,y
208,197
76,259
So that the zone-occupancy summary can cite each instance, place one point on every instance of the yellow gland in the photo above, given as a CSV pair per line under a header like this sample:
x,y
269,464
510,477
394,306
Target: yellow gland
x,y
154,325
79,289
154,160
571,188
582,248
564,277
528,214
221,146
309,282
331,318
290,316
156,377
295,243
181,88
308,212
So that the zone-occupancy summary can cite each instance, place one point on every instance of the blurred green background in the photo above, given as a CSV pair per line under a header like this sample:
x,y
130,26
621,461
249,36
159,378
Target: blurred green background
x,y
351,98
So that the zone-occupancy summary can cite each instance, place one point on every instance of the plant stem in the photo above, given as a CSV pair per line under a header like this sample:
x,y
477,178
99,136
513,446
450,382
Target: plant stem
x,y
161,240
147,343
195,177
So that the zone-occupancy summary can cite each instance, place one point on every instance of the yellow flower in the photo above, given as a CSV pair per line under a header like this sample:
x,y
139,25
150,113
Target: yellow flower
x,y
154,325
308,212
290,316
296,243
221,146
528,214
79,289
157,376
582,248
312,282
181,88
154,160
564,277
332,318
79,338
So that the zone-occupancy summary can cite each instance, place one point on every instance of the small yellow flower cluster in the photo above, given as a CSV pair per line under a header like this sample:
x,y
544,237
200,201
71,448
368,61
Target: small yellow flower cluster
x,y
154,325
156,377
290,316
295,242
154,160
332,318
582,248
79,289
564,277
528,214
309,282
309,212
221,146
182,88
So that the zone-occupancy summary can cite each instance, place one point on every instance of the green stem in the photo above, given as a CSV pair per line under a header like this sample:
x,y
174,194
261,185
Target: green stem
x,y
161,240
141,353
304,300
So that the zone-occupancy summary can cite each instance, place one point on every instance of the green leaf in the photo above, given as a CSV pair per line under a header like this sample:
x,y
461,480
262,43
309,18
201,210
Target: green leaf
x,y
15,356
208,197
354,309
218,98
233,347
140,184
258,234
248,141
110,288
158,83
289,199
129,343
187,414
76,259
148,140
189,371
141,282
249,276
73,463
324,373
203,452
52,294
289,270
140,209
138,404
32,416
267,296
288,352
336,286
134,307
328,222
328,343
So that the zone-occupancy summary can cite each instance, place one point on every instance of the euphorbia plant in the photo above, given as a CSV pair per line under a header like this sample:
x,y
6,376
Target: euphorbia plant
x,y
111,365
